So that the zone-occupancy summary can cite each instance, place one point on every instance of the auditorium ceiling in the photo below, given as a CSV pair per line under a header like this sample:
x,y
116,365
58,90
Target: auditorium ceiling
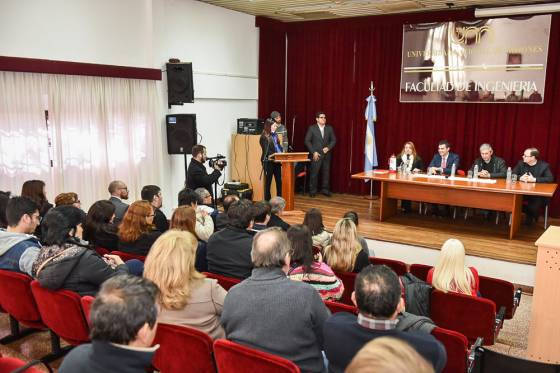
x,y
308,10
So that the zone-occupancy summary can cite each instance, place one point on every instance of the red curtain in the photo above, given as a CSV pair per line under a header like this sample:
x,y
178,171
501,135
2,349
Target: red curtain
x,y
330,65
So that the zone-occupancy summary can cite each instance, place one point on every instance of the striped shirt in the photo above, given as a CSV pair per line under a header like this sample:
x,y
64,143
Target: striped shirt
x,y
321,277
377,324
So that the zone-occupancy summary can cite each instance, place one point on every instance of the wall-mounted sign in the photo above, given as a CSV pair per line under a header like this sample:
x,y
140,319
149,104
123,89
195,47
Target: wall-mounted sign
x,y
491,60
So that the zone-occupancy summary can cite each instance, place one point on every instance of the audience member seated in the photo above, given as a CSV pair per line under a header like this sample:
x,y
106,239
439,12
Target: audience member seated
x,y
35,191
451,273
204,224
314,221
184,219
229,251
152,194
261,216
352,215
533,170
412,163
388,355
70,199
221,218
65,263
271,313
119,192
345,253
18,247
4,198
377,294
205,201
123,326
186,297
277,206
99,229
136,234
309,268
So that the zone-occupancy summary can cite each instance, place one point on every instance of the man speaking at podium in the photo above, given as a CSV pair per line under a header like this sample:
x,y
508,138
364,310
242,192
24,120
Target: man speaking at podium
x,y
320,140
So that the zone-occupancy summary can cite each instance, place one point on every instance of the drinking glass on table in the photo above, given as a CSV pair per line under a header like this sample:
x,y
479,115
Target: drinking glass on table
x,y
470,174
513,178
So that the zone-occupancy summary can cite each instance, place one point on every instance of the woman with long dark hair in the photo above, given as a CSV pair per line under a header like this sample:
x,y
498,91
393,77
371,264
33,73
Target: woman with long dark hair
x,y
35,191
64,262
309,268
270,144
313,220
99,229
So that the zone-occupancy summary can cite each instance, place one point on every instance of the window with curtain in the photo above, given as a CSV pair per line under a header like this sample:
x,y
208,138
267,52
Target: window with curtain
x,y
98,129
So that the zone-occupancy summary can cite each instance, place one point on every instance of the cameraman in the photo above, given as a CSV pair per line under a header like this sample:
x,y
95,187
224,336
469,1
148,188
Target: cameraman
x,y
197,176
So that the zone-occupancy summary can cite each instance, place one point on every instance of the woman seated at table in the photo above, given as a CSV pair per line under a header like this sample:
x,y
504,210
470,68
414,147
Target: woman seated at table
x,y
412,163
451,273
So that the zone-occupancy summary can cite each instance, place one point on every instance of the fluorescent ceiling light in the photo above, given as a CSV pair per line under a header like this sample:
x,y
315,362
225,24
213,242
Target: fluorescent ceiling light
x,y
516,10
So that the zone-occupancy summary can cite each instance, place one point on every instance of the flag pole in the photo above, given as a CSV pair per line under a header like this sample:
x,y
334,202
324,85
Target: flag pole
x,y
371,89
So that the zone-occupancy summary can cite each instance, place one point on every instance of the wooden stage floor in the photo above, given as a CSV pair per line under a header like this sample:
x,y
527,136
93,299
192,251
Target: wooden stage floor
x,y
481,238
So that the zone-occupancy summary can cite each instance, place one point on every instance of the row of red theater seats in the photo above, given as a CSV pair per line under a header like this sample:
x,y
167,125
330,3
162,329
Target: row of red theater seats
x,y
65,314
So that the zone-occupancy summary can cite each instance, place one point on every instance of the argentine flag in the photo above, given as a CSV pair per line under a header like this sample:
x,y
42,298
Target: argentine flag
x,y
370,149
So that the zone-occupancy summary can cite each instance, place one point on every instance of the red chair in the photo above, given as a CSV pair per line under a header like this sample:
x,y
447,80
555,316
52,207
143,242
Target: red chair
x,y
224,281
126,256
10,364
348,279
17,300
86,302
61,311
457,347
502,293
183,349
335,307
420,270
473,317
396,265
232,357
101,250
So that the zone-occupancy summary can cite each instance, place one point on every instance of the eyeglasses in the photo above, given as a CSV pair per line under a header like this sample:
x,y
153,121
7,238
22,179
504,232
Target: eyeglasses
x,y
37,217
322,117
125,188
527,156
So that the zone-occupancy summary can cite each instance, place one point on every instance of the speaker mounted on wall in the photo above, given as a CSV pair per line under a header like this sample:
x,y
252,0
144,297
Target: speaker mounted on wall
x,y
181,133
180,88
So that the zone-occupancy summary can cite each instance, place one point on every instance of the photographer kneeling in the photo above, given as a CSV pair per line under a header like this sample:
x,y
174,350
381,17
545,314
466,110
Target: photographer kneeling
x,y
197,177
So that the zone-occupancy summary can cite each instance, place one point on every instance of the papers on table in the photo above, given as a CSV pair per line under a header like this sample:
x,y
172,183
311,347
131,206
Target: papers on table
x,y
458,178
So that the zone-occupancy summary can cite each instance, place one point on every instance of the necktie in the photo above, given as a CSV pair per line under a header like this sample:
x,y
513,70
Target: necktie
x,y
443,162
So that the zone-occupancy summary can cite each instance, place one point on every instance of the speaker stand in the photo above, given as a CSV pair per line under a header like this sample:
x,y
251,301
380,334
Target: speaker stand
x,y
186,170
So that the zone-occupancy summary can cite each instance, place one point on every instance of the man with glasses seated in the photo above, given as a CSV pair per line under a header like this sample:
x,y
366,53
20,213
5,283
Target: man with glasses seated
x,y
320,140
118,191
533,170
18,247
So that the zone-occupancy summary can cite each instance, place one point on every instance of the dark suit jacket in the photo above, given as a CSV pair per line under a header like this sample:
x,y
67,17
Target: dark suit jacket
x,y
417,164
499,169
229,252
276,221
344,337
451,158
160,221
197,177
120,209
315,142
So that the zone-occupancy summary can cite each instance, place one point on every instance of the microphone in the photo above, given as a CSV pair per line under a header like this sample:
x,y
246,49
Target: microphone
x,y
408,157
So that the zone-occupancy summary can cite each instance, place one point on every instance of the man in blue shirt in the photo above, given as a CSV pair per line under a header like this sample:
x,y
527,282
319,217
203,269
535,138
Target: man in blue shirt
x,y
18,247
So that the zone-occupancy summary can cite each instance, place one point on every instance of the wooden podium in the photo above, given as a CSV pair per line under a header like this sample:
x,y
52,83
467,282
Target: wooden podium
x,y
544,344
288,181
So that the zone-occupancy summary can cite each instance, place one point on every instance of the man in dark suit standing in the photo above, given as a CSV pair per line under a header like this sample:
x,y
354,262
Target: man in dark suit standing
x,y
197,177
443,160
320,140
118,191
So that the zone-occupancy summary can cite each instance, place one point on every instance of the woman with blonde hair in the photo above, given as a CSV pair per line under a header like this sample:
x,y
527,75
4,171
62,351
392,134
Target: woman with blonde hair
x,y
136,231
345,253
184,219
451,273
388,355
186,296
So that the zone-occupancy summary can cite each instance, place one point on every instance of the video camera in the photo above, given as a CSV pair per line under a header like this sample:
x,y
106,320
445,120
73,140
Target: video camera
x,y
219,160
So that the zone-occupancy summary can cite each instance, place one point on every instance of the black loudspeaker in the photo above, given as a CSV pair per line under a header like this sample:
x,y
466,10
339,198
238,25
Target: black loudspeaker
x,y
181,133
179,83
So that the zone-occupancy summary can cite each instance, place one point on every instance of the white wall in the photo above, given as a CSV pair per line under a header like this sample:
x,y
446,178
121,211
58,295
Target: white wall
x,y
221,44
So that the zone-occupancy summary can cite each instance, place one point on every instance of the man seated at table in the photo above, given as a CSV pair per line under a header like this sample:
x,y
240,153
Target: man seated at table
x,y
442,163
489,165
443,160
533,170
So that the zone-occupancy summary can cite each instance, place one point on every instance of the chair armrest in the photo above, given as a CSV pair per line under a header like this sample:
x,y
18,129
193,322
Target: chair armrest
x,y
471,359
499,322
